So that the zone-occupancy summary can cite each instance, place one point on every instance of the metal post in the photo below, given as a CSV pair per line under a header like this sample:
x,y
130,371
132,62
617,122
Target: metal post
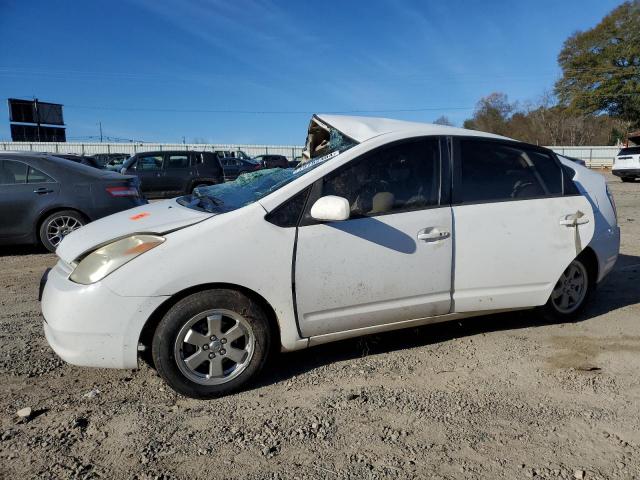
x,y
590,156
37,112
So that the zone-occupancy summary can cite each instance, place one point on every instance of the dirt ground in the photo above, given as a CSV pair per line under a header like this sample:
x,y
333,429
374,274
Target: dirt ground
x,y
493,397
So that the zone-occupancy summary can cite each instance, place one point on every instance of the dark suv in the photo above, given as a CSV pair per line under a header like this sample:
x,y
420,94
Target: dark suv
x,y
169,174
272,161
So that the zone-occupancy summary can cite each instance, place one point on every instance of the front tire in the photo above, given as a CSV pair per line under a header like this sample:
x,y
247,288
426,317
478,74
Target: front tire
x,y
58,225
571,292
628,179
211,343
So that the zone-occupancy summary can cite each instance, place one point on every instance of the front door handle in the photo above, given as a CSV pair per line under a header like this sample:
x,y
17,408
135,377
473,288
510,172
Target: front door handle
x,y
432,234
574,219
42,191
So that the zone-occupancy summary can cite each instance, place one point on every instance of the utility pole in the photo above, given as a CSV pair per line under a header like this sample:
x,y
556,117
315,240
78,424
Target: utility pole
x,y
36,109
100,124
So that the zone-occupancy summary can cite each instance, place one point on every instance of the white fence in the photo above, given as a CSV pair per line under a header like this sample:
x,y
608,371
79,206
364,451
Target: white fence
x,y
594,156
289,151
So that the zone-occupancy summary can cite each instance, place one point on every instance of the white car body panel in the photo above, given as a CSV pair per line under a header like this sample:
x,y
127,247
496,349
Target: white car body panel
x,y
405,278
238,248
90,325
100,324
157,217
510,254
362,129
606,237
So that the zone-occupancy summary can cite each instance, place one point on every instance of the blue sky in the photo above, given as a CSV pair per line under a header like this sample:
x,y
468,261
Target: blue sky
x,y
254,71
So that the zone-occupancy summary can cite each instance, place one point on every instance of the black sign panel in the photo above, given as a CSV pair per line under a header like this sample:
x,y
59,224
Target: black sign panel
x,y
33,111
33,133
21,111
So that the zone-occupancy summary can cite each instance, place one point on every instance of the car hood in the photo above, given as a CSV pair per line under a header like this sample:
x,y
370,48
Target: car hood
x,y
158,217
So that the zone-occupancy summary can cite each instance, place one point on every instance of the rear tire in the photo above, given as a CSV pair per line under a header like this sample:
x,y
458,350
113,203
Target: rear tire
x,y
58,225
628,179
211,343
571,293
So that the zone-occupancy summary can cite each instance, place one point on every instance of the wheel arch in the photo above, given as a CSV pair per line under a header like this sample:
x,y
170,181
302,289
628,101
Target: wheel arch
x,y
590,259
149,328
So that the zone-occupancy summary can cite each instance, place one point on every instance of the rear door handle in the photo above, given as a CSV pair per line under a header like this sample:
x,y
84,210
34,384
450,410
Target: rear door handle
x,y
574,219
432,234
42,191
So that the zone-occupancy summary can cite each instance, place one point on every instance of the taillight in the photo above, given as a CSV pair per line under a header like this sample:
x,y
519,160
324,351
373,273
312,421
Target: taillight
x,y
613,202
122,191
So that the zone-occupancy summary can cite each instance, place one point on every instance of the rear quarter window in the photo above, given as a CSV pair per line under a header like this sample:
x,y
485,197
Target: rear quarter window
x,y
36,176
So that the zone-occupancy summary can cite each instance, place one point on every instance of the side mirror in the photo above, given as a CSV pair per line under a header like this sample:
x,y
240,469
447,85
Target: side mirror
x,y
331,209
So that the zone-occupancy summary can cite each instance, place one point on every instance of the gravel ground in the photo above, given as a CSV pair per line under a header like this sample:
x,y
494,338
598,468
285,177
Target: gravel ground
x,y
495,397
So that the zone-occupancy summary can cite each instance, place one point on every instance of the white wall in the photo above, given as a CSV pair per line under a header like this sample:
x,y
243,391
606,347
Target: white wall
x,y
594,156
290,151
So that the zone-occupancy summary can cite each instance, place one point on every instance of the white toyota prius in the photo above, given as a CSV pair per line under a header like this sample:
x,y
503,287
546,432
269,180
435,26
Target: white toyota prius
x,y
384,225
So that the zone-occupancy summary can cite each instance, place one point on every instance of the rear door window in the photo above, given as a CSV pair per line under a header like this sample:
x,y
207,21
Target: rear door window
x,y
495,171
12,172
175,162
149,163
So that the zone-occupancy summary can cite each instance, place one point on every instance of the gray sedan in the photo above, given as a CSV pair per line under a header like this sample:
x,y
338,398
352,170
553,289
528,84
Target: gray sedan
x,y
43,198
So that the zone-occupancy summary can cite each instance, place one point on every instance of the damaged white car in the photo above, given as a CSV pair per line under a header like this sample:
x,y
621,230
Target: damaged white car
x,y
384,225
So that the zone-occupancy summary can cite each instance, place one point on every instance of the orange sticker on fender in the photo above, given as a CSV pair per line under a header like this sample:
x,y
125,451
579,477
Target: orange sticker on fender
x,y
139,216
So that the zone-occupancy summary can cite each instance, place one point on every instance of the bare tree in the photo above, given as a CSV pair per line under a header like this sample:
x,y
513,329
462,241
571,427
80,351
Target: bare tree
x,y
443,120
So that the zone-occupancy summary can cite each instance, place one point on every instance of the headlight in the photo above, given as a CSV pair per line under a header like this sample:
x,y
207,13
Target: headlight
x,y
101,262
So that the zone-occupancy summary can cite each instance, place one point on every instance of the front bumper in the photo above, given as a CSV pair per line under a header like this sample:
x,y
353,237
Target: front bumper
x,y
90,325
626,172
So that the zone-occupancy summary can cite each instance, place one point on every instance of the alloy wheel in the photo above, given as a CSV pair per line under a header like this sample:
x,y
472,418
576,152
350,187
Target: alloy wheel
x,y
214,347
571,288
60,227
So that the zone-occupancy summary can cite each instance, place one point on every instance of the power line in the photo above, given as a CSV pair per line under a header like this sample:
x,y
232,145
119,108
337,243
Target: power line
x,y
303,112
265,112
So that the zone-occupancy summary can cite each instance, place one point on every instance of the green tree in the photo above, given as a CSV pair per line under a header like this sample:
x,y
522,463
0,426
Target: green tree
x,y
601,67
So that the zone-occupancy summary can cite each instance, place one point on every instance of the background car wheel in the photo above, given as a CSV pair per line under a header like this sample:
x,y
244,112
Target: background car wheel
x,y
57,226
628,179
571,292
211,343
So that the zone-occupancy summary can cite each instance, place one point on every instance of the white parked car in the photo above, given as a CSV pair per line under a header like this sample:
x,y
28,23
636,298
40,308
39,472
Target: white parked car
x,y
627,164
385,225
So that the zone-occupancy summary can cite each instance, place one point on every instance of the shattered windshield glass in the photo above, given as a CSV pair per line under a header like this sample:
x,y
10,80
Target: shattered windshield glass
x,y
323,143
322,140
247,188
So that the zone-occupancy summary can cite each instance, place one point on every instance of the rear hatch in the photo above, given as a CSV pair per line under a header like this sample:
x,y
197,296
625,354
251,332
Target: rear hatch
x,y
627,158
